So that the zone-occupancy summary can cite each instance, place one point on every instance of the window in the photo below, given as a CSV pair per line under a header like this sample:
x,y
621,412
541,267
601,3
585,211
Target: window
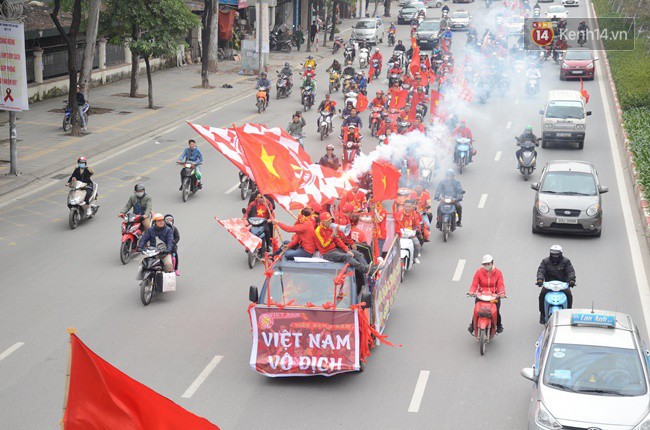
x,y
569,183
308,285
565,110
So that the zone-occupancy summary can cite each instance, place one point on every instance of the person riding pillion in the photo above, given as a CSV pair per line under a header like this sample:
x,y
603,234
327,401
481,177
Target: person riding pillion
x,y
83,174
140,202
193,155
555,267
169,220
161,231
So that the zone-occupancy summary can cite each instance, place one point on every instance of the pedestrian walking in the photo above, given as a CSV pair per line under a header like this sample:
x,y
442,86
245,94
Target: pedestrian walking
x,y
300,37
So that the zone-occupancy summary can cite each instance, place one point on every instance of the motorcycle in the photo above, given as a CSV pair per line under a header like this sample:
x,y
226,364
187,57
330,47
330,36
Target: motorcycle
x,y
426,169
485,319
76,202
351,151
421,110
338,44
582,37
307,98
537,13
376,66
261,99
461,153
152,277
394,77
191,180
447,217
348,54
376,118
407,250
403,126
258,228
364,54
528,159
335,82
351,97
279,43
325,124
347,83
246,186
555,299
131,234
391,38
401,57
283,86
67,116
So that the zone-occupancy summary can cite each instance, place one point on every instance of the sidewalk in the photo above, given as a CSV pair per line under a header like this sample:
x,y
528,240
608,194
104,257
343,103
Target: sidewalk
x,y
117,120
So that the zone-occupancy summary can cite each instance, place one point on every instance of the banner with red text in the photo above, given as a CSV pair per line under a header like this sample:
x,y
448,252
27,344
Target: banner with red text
x,y
304,341
387,286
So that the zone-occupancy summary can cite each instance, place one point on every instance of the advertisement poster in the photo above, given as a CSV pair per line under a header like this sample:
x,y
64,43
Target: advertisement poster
x,y
13,67
385,290
303,341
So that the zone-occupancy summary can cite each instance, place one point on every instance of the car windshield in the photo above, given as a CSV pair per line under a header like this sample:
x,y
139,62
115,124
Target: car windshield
x,y
577,55
409,9
556,9
307,285
569,183
365,24
595,370
429,26
460,15
565,110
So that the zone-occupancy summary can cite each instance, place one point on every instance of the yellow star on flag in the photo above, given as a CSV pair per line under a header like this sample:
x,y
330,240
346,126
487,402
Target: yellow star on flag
x,y
383,181
268,162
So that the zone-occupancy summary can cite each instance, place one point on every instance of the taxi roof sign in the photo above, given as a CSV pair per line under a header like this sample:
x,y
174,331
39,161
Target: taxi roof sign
x,y
596,320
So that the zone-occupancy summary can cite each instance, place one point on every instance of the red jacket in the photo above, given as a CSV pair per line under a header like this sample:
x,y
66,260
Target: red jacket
x,y
304,236
412,220
488,282
325,242
357,200
466,133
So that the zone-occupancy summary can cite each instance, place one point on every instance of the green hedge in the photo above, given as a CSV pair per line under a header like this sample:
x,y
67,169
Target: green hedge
x,y
637,125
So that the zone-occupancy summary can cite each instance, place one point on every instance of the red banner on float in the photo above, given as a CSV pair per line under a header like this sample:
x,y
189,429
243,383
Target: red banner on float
x,y
304,342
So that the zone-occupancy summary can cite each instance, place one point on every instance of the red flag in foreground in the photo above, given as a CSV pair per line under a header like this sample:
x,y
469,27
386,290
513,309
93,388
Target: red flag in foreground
x,y
414,66
362,103
584,93
385,179
398,100
435,101
241,231
101,397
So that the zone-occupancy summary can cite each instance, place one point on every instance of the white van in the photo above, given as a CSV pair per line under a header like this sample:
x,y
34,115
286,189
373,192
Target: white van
x,y
565,118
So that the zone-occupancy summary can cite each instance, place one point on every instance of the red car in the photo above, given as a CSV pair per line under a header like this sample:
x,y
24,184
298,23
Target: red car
x,y
578,64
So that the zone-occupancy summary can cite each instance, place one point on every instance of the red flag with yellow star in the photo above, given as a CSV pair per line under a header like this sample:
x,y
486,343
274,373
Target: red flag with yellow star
x,y
273,166
385,181
435,101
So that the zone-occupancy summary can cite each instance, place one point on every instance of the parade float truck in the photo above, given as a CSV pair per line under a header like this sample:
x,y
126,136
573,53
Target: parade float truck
x,y
315,317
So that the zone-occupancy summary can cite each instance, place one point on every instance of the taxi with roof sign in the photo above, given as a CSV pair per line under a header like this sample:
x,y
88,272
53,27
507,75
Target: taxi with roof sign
x,y
590,372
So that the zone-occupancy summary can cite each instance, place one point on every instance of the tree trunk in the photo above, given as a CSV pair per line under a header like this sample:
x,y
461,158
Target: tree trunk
x,y
149,82
334,5
91,42
135,65
206,35
213,45
387,7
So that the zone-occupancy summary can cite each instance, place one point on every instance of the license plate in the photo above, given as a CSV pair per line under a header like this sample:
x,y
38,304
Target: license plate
x,y
567,220
564,135
577,72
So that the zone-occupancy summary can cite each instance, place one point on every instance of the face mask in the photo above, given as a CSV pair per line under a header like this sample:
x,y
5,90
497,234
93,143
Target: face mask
x,y
489,267
139,194
556,257
81,166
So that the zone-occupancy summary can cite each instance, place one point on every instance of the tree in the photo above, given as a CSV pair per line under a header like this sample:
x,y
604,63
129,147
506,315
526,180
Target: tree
x,y
152,28
209,39
70,39
92,25
386,7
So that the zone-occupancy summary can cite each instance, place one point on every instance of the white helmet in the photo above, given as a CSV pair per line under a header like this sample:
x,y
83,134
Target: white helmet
x,y
556,249
487,259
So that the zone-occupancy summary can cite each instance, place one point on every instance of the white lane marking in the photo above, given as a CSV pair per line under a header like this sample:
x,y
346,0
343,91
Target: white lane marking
x,y
11,350
202,377
516,102
635,248
418,393
481,203
233,188
497,157
459,270
509,124
172,129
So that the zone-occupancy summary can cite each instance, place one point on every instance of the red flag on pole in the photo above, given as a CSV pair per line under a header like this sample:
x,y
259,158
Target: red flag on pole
x,y
583,92
371,72
101,397
414,67
435,101
385,181
398,100
241,231
362,102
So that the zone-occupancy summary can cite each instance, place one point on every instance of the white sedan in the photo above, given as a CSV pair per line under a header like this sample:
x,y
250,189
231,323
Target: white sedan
x,y
557,11
570,3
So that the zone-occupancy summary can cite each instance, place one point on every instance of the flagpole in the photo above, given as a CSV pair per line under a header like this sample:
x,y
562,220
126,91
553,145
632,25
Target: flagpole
x,y
71,332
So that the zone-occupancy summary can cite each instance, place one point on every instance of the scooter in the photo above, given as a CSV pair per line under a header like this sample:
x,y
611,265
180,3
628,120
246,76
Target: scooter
x,y
461,153
531,86
191,180
246,186
351,97
403,126
528,158
447,217
376,118
261,99
76,202
67,116
307,98
325,124
335,82
364,54
338,43
258,229
283,86
556,299
131,234
407,250
426,168
391,38
348,54
153,279
485,319
279,43
376,66
351,151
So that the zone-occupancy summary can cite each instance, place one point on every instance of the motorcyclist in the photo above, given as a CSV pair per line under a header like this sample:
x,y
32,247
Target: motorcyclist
x,y
407,217
347,110
488,280
350,46
332,248
262,207
463,131
417,125
526,136
353,119
379,100
161,231
399,47
377,56
169,220
191,154
309,72
140,202
559,46
582,31
83,174
450,187
310,63
264,82
308,82
335,66
362,82
329,159
446,36
533,73
286,71
296,125
350,134
349,70
445,9
555,267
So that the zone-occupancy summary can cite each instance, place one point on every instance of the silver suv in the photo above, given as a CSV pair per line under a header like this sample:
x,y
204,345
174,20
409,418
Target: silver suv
x,y
568,199
369,29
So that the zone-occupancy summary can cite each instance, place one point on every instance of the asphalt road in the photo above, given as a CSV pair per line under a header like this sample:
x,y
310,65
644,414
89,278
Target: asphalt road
x,y
54,278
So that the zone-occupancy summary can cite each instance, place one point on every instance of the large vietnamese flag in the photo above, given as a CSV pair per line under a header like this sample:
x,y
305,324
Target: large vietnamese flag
x,y
362,102
100,397
385,181
435,101
398,99
414,67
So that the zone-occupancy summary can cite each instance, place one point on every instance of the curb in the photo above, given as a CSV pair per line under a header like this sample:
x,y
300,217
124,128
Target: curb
x,y
642,202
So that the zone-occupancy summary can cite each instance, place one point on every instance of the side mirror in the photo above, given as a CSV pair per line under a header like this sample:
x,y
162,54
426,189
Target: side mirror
x,y
588,112
367,299
529,373
541,111
602,190
535,186
595,58
253,294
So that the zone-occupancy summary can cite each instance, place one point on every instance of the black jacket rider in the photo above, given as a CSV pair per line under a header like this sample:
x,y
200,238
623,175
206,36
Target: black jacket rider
x,y
561,270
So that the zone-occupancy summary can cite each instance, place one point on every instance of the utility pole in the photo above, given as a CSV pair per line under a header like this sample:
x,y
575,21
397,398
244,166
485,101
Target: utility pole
x,y
259,38
309,18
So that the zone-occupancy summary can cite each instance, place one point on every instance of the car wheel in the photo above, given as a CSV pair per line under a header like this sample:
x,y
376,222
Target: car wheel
x,y
534,230
581,144
598,233
562,78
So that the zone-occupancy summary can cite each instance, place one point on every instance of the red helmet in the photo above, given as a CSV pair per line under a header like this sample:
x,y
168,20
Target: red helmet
x,y
82,160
